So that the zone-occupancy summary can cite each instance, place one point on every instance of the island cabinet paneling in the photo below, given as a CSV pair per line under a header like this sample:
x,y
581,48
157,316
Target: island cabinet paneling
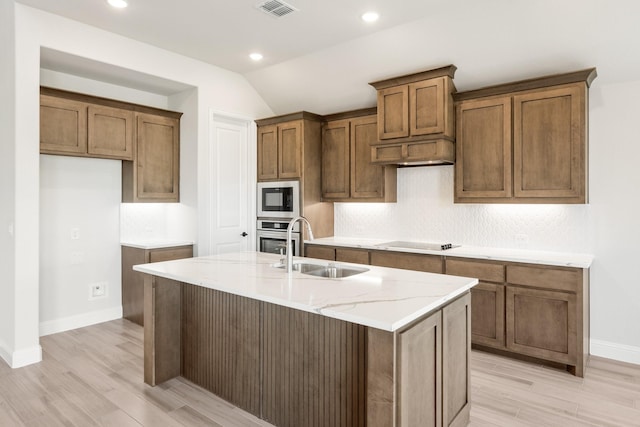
x,y
407,261
313,369
221,336
487,299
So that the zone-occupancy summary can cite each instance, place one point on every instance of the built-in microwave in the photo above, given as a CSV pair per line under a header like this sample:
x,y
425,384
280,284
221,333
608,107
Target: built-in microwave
x,y
279,199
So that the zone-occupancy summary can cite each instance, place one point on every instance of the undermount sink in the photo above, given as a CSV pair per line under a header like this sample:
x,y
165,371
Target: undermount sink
x,y
331,271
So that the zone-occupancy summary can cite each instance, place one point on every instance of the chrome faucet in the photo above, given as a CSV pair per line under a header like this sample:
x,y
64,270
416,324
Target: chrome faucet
x,y
289,249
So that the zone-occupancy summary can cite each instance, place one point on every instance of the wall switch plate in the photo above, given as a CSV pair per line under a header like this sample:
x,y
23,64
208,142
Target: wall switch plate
x,y
98,290
77,258
75,233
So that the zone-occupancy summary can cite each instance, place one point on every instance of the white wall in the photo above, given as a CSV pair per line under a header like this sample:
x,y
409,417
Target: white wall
x,y
216,88
608,227
7,171
79,241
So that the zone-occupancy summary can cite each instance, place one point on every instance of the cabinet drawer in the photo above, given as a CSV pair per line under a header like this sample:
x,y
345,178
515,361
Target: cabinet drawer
x,y
546,278
321,252
159,255
428,263
357,256
485,271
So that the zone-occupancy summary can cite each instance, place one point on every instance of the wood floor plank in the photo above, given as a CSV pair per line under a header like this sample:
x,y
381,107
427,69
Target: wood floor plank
x,y
94,376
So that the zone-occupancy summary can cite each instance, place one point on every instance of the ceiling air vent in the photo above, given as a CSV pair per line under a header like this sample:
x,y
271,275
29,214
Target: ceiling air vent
x,y
276,8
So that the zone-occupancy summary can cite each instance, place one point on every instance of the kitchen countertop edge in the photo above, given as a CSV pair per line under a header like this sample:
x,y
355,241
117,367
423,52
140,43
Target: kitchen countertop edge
x,y
560,259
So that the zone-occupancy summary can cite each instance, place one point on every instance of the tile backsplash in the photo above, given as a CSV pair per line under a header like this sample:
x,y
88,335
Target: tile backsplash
x,y
425,212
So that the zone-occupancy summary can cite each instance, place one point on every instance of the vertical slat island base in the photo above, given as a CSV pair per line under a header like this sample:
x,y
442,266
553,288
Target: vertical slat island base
x,y
293,367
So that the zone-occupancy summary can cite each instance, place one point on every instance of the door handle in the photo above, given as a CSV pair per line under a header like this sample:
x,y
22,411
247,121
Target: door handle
x,y
244,234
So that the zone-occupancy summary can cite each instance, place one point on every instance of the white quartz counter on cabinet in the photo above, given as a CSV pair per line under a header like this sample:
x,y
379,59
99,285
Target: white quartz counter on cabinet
x,y
561,259
382,298
155,244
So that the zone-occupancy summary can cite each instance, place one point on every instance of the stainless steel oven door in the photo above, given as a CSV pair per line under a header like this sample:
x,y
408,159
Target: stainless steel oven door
x,y
273,241
279,199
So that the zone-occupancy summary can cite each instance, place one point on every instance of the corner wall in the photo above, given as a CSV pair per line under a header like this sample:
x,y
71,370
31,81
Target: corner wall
x,y
217,88
7,173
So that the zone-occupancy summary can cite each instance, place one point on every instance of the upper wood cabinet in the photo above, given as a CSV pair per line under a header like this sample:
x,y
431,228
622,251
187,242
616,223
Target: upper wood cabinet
x,y
524,142
347,171
146,138
76,128
416,118
280,151
155,175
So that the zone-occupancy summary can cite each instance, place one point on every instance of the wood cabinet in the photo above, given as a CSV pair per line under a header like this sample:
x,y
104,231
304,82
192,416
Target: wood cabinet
x,y
289,148
518,309
146,139
347,171
133,281
524,142
407,261
155,175
280,151
320,252
76,128
487,299
416,118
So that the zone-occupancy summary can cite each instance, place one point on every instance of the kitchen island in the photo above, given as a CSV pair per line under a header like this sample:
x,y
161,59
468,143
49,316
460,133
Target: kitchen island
x,y
385,347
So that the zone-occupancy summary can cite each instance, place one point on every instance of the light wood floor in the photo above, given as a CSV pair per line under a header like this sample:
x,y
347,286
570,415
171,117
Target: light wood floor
x,y
93,376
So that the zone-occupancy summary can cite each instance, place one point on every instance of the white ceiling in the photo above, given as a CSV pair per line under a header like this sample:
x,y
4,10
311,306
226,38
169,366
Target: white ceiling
x,y
321,58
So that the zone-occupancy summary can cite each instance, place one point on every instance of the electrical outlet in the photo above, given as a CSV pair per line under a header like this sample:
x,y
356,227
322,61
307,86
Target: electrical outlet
x,y
97,290
75,233
77,258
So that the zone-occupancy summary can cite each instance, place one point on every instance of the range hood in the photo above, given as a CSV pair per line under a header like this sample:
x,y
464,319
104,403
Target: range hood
x,y
431,152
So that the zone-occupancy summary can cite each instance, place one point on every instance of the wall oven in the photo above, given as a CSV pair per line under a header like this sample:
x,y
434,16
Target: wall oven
x,y
272,236
279,199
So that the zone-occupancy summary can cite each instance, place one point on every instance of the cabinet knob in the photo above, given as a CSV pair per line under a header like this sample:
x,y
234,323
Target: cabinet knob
x,y
244,234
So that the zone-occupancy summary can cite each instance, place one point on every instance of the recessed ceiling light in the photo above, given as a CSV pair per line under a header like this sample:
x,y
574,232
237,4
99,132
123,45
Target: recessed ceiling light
x,y
256,56
120,4
370,17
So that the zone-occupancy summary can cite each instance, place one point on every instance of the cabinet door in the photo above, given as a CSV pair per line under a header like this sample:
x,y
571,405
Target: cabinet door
x,y
487,314
290,150
393,112
367,179
542,324
456,367
320,252
428,263
158,159
426,107
357,256
63,126
549,143
110,132
419,374
483,149
335,160
267,152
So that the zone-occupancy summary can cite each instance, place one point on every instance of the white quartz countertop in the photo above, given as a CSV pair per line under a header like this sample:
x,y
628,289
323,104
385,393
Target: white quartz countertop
x,y
382,298
156,244
498,254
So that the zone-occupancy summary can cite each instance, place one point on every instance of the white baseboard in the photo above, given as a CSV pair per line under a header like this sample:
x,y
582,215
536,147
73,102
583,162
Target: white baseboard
x,y
620,352
80,321
20,358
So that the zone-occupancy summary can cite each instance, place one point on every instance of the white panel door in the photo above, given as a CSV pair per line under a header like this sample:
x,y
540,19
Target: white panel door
x,y
229,186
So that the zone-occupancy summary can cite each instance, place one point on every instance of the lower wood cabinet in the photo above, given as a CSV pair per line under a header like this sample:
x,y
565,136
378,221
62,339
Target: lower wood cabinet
x,y
133,281
524,310
407,261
